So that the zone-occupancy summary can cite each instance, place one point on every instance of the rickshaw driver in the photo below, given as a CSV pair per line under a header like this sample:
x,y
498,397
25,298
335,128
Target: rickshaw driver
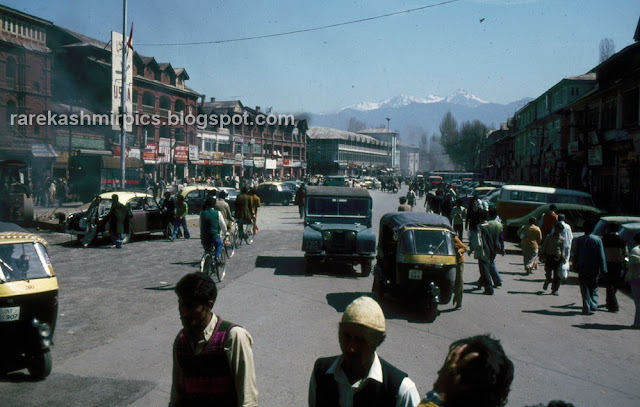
x,y
8,262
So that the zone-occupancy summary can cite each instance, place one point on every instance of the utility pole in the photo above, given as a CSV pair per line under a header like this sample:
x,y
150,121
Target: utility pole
x,y
123,127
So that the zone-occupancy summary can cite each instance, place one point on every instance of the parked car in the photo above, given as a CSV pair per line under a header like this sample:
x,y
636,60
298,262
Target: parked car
x,y
294,184
603,223
232,194
338,229
147,216
275,192
492,198
195,195
628,231
575,215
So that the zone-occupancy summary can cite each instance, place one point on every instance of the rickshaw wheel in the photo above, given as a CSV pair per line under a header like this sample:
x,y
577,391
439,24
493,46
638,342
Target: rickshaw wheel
x,y
365,268
40,365
376,288
431,312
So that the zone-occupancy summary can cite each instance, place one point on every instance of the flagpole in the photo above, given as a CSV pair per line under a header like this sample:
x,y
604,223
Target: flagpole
x,y
123,127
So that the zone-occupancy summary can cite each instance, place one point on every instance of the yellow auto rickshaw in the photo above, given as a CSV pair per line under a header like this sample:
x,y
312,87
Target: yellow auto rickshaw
x,y
416,259
28,302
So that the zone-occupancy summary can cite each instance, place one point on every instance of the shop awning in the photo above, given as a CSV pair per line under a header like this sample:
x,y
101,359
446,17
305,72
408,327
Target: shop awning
x,y
43,151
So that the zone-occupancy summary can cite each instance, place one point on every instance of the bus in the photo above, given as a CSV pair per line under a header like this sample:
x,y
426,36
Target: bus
x,y
16,198
448,176
519,200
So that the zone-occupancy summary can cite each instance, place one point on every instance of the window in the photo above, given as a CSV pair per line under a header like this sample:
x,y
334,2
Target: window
x,y
257,149
148,99
165,103
11,69
179,134
11,110
630,108
609,115
179,106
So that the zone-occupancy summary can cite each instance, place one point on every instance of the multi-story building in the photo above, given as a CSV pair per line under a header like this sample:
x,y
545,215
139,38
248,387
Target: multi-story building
x,y
82,82
25,89
341,152
261,145
388,136
409,159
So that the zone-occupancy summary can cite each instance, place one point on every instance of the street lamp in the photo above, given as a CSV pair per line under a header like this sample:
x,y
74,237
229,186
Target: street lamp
x,y
388,120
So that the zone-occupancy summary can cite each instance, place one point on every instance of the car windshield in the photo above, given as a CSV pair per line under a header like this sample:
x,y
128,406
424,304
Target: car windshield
x,y
417,241
23,261
354,207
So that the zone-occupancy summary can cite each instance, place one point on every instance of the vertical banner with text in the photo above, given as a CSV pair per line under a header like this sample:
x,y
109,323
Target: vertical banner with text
x,y
117,45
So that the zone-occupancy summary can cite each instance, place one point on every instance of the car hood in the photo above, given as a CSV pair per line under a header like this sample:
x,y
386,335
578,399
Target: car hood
x,y
320,227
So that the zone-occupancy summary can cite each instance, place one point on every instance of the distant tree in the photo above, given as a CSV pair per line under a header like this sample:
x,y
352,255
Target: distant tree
x,y
448,130
355,125
607,48
463,144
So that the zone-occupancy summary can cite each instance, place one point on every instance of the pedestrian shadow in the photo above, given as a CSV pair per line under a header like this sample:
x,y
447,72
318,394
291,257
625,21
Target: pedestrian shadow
x,y
164,287
604,327
573,305
553,313
340,301
527,292
284,266
513,251
188,263
511,273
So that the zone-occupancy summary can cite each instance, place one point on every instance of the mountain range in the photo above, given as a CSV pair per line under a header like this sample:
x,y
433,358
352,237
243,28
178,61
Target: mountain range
x,y
413,116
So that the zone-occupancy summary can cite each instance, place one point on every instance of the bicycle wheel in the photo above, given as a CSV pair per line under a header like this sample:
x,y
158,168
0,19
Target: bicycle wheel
x,y
221,267
207,264
229,249
237,235
248,234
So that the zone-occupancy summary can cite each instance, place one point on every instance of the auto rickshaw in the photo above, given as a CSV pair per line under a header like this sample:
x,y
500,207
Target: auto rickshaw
x,y
416,259
28,302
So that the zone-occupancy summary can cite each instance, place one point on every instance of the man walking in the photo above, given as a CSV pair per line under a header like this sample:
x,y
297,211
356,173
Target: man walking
x,y
589,262
486,244
212,358
458,215
180,219
358,377
404,206
616,253
411,198
119,217
301,195
552,253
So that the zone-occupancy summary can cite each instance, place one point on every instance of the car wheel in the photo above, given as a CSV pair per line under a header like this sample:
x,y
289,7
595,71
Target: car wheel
x,y
40,365
365,268
285,202
431,312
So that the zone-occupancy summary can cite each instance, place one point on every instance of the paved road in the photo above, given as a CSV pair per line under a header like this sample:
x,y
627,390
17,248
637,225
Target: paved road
x,y
118,318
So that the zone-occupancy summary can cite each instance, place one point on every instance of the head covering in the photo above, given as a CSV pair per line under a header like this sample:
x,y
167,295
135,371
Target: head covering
x,y
365,311
561,217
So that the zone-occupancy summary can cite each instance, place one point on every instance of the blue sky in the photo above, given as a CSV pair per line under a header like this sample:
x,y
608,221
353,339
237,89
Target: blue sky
x,y
520,49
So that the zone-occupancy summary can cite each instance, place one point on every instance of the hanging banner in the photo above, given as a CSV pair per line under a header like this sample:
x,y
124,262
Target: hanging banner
x,y
117,45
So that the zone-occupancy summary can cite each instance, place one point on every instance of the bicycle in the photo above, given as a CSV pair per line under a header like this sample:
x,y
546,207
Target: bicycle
x,y
230,243
211,265
244,232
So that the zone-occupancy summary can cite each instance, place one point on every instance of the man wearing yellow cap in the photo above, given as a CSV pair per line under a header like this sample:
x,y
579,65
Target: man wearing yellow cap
x,y
359,377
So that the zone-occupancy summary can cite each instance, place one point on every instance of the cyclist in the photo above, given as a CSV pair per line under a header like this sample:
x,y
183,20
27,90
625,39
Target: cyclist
x,y
212,226
223,207
244,209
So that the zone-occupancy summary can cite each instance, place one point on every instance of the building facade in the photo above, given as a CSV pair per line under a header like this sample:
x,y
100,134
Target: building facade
x,y
340,152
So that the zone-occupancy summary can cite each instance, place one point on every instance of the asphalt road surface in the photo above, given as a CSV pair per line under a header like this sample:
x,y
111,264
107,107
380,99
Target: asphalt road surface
x,y
118,318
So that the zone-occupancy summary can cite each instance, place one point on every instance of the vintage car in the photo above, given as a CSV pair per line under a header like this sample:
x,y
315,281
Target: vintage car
x,y
275,192
28,302
337,229
232,194
575,215
416,260
195,195
147,217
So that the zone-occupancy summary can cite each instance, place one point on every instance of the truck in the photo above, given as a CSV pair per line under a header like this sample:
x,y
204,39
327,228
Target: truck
x,y
90,175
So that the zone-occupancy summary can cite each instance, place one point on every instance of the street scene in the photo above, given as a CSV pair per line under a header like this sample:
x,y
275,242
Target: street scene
x,y
221,204
118,317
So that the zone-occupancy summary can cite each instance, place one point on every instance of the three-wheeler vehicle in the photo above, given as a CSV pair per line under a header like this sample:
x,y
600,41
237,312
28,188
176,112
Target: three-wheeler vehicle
x,y
28,302
416,260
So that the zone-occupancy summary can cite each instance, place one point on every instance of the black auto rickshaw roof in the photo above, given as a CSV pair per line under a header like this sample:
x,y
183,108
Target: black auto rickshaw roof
x,y
338,192
396,220
10,227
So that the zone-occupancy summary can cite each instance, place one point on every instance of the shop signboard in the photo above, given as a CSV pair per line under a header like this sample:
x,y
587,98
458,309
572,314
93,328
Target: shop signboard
x,y
258,162
134,152
270,164
286,162
228,161
296,164
150,154
181,154
595,155
247,162
193,153
164,150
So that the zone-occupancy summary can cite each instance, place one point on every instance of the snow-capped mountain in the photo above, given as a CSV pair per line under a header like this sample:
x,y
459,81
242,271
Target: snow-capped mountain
x,y
412,116
459,97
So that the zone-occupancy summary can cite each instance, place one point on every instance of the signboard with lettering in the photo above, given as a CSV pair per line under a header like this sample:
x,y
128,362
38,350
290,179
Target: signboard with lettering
x,y
117,46
258,162
193,153
150,154
181,154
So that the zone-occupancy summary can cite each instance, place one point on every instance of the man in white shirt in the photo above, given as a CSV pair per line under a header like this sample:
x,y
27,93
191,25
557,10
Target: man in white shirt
x,y
358,377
